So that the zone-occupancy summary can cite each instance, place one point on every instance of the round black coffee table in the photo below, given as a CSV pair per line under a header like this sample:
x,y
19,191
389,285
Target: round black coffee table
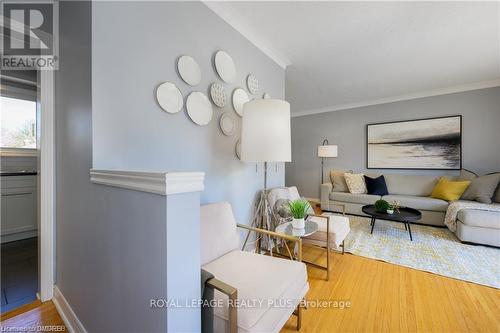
x,y
405,215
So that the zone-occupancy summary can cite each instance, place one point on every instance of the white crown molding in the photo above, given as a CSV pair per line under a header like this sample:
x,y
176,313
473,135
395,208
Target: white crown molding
x,y
430,93
71,321
247,32
163,183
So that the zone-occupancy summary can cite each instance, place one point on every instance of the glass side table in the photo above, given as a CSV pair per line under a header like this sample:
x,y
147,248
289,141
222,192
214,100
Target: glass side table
x,y
310,228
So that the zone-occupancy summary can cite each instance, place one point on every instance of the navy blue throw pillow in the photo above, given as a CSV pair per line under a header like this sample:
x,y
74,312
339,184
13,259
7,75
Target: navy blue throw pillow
x,y
376,185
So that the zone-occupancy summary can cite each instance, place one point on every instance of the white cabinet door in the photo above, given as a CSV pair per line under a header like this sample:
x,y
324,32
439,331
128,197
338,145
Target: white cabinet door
x,y
18,211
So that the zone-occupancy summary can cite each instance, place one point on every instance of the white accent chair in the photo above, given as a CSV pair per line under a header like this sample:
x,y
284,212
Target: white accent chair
x,y
339,226
248,276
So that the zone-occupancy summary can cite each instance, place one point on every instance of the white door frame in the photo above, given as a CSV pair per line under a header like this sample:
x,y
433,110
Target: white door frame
x,y
47,185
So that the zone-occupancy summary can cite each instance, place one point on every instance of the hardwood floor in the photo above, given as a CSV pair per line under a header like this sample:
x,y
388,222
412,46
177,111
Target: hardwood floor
x,y
33,317
389,298
383,298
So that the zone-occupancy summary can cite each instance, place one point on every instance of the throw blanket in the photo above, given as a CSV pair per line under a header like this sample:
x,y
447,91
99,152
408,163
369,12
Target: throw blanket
x,y
450,219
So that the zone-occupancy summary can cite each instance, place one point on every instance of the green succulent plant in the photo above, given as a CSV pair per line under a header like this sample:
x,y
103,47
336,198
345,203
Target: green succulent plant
x,y
299,208
381,206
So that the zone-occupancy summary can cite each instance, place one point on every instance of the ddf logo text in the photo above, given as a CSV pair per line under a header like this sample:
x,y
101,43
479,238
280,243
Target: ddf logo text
x,y
29,32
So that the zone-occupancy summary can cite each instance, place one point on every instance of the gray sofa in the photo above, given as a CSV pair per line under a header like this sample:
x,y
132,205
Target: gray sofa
x,y
474,226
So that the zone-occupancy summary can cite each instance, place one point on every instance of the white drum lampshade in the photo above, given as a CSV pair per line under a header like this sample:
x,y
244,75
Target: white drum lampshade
x,y
265,133
327,151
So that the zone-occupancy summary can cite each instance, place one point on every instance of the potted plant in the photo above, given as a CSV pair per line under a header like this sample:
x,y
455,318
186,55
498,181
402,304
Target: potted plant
x,y
298,209
382,206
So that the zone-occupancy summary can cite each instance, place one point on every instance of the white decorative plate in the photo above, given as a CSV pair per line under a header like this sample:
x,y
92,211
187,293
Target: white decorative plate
x,y
227,124
252,83
218,94
199,108
169,97
240,97
189,70
266,96
225,67
237,149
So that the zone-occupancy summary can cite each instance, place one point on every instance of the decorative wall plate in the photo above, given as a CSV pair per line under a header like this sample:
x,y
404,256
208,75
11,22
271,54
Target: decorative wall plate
x,y
252,83
240,97
227,124
199,108
266,96
189,70
225,67
237,149
169,97
218,94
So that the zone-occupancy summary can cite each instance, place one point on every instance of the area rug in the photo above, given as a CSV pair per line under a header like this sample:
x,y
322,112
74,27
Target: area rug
x,y
435,250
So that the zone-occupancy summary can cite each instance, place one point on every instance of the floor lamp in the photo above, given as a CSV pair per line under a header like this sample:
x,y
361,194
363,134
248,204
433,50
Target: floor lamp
x,y
325,151
265,137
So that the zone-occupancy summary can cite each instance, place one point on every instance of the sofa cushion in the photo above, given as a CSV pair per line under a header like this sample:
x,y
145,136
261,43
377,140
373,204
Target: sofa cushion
x,y
466,175
355,182
479,218
425,203
482,188
257,277
338,180
365,199
376,185
448,190
496,197
218,231
410,185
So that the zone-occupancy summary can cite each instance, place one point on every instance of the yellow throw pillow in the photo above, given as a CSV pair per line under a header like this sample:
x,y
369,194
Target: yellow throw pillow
x,y
449,190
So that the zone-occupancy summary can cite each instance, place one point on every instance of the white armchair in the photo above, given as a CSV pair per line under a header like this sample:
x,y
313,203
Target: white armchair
x,y
338,226
256,281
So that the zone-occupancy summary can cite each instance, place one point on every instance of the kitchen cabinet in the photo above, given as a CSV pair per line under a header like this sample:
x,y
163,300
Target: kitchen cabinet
x,y
18,207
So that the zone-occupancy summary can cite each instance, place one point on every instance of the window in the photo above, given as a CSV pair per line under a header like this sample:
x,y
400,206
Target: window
x,y
18,123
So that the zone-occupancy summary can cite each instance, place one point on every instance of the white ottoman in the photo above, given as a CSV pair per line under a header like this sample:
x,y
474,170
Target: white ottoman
x,y
339,229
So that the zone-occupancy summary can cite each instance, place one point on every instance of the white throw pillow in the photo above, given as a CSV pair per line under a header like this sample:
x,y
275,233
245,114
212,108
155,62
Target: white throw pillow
x,y
355,182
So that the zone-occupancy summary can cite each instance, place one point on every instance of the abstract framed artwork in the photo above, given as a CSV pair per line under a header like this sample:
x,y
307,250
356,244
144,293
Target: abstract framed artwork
x,y
431,143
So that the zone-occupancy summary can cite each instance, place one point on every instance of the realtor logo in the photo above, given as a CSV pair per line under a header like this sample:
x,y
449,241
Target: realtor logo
x,y
29,35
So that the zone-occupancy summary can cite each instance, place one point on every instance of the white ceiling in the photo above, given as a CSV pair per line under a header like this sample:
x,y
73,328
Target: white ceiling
x,y
345,54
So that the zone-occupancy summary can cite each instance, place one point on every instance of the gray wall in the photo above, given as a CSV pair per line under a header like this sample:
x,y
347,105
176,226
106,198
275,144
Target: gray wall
x,y
347,129
108,240
135,47
112,255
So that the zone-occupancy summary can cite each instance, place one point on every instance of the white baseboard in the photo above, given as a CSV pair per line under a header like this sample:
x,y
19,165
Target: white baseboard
x,y
67,314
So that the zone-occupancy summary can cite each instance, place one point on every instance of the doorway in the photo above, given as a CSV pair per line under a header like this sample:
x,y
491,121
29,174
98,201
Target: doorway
x,y
19,188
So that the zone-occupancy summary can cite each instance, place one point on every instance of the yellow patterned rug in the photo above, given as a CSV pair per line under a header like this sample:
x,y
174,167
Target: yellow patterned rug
x,y
434,250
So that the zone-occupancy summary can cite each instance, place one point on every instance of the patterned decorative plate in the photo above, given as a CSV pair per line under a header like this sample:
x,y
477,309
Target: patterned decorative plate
x,y
218,94
252,83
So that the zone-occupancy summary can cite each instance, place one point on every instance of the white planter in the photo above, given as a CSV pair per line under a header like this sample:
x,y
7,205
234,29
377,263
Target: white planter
x,y
390,211
298,224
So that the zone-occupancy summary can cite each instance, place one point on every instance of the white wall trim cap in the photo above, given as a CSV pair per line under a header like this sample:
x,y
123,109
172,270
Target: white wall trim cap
x,y
423,94
163,183
235,22
71,321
